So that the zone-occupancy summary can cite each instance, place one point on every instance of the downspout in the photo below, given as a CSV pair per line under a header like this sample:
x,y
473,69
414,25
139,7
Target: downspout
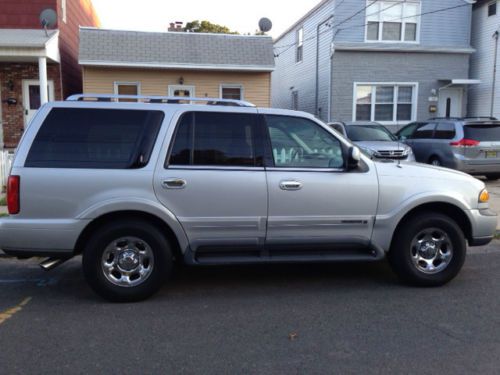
x,y
493,86
316,100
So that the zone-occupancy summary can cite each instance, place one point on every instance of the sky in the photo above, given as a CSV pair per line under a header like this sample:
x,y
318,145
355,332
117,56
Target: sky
x,y
241,16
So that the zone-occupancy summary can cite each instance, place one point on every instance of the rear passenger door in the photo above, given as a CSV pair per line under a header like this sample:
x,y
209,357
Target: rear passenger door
x,y
214,182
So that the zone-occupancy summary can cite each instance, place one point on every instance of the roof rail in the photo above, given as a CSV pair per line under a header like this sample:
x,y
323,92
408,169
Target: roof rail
x,y
158,99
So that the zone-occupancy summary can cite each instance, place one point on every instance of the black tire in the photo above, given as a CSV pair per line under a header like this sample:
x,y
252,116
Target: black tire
x,y
400,255
158,245
492,177
435,161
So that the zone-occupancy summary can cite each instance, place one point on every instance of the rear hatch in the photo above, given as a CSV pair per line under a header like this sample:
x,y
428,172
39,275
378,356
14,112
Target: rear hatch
x,y
481,143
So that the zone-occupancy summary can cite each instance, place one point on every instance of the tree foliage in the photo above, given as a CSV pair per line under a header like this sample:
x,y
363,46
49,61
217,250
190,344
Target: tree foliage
x,y
207,27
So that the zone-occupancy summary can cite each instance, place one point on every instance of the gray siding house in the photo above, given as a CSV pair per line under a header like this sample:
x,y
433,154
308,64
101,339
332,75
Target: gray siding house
x,y
484,98
387,61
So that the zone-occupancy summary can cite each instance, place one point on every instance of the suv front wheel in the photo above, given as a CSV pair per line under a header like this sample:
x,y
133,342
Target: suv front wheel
x,y
127,260
428,250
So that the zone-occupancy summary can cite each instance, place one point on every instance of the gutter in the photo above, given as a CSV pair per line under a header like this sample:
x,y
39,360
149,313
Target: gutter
x,y
316,100
493,85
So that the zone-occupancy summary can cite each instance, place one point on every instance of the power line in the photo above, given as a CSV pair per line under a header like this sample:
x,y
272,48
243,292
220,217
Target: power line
x,y
288,46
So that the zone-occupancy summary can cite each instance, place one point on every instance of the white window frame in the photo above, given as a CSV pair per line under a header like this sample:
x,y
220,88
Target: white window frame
x,y
232,86
402,20
64,11
414,104
125,83
299,44
172,88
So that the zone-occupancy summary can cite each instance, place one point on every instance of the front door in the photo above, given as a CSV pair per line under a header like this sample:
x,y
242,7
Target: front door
x,y
31,97
450,102
313,201
214,182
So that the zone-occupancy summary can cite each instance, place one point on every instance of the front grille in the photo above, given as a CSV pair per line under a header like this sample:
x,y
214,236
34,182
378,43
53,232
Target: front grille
x,y
391,154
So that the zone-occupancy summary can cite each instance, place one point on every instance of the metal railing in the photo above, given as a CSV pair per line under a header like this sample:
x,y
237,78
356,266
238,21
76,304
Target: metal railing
x,y
159,99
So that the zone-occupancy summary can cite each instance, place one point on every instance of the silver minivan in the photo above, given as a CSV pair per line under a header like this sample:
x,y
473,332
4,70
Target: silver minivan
x,y
469,145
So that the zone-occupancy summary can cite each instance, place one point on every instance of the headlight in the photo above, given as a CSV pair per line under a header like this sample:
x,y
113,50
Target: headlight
x,y
484,196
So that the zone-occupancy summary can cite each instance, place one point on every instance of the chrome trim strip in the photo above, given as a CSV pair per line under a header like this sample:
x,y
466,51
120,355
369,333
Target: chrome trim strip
x,y
215,168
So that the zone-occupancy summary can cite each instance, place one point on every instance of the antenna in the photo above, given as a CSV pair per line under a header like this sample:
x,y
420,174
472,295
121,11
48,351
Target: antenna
x,y
265,25
48,18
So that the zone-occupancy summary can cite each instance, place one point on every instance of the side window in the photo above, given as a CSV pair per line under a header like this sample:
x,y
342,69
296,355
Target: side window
x,y
445,130
424,131
407,131
301,143
95,138
216,139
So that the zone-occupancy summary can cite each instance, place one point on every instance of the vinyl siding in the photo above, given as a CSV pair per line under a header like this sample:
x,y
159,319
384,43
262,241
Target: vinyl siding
x,y
256,86
450,29
425,69
482,61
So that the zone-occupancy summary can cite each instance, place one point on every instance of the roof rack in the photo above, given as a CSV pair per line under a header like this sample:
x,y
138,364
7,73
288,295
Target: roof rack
x,y
465,118
158,99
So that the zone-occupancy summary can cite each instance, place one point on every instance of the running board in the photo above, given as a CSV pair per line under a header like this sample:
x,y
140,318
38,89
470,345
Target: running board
x,y
211,256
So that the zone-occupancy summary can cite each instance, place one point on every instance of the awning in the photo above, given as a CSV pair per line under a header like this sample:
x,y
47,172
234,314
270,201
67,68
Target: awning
x,y
461,82
27,45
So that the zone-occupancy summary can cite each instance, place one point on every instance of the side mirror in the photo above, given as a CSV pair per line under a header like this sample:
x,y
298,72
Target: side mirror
x,y
353,158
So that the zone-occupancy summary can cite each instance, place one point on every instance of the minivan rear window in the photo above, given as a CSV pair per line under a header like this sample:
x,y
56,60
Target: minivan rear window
x,y
482,132
95,138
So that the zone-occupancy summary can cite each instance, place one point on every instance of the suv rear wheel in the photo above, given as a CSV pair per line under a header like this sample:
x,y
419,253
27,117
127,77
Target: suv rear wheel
x,y
127,261
428,250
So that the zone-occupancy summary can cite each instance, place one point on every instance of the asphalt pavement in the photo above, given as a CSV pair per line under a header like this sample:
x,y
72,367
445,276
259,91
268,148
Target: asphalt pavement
x,y
300,319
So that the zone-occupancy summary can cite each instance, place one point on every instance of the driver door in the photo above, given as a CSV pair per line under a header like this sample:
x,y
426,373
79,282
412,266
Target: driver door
x,y
313,201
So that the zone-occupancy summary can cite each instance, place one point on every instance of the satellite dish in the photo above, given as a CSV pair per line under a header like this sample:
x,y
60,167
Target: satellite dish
x,y
48,18
265,25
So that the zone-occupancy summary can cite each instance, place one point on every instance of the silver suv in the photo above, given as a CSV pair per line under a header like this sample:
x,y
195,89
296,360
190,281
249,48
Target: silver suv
x,y
137,187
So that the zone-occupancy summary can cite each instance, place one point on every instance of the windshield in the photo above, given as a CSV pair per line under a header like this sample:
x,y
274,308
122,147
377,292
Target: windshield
x,y
361,133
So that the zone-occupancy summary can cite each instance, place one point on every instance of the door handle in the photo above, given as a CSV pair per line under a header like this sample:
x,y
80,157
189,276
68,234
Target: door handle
x,y
290,185
174,183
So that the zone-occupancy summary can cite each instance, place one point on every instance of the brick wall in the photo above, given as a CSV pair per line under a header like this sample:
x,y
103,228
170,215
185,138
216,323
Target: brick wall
x,y
13,115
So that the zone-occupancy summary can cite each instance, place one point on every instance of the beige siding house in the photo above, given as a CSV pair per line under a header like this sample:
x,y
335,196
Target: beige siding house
x,y
177,64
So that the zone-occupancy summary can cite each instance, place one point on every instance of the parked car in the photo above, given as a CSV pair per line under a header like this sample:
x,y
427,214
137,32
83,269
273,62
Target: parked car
x,y
375,139
136,186
471,145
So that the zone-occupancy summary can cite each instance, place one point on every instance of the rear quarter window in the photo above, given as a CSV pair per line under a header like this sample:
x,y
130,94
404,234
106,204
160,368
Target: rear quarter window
x,y
95,138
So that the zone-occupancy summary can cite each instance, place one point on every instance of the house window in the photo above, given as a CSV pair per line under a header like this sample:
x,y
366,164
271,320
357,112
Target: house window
x,y
385,103
63,10
492,9
299,53
295,100
234,92
127,88
395,21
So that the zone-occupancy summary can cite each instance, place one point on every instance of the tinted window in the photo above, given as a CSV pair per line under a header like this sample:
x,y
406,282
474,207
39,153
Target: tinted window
x,y
482,132
216,139
424,131
361,133
298,142
95,138
445,130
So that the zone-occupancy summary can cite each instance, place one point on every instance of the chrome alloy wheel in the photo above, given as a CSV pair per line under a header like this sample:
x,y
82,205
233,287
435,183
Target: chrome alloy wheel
x,y
431,250
127,261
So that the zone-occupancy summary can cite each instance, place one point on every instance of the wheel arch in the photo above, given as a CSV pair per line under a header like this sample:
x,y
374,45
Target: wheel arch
x,y
175,242
452,211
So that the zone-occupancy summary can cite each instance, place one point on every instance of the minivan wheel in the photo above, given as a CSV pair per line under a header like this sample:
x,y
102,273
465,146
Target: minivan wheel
x,y
127,261
428,250
492,177
435,161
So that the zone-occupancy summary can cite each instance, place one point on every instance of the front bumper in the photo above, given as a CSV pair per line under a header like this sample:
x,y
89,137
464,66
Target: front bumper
x,y
484,225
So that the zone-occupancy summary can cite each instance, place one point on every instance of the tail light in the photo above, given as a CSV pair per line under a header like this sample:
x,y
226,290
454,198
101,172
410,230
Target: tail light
x,y
13,201
465,142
